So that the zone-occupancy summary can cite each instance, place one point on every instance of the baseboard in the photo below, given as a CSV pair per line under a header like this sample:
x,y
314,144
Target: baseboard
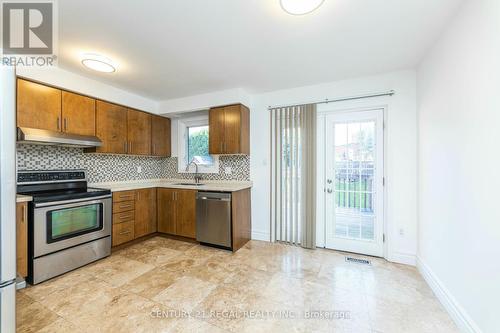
x,y
459,315
262,236
402,258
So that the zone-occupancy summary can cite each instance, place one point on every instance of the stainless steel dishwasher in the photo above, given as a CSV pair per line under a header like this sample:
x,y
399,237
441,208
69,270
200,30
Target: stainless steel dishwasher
x,y
213,218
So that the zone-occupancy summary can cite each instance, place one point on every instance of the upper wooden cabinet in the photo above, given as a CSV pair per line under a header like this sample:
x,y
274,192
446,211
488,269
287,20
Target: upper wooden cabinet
x,y
229,130
122,130
139,132
160,136
38,106
78,114
111,128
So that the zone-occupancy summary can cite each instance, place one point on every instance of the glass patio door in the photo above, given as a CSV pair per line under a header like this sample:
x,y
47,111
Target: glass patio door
x,y
354,182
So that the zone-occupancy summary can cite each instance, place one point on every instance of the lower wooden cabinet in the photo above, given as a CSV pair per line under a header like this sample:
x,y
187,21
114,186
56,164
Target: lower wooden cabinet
x,y
134,214
145,212
241,218
177,212
22,238
123,232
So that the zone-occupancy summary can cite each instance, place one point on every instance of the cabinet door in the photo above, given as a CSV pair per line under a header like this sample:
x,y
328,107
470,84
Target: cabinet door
x,y
166,210
78,114
22,239
232,129
139,132
111,127
122,233
38,106
145,212
216,124
160,136
186,213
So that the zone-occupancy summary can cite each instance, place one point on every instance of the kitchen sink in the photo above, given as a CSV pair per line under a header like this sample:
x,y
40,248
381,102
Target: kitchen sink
x,y
189,184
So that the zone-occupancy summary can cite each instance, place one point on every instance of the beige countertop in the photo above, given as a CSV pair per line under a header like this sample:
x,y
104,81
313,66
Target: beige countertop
x,y
23,198
208,185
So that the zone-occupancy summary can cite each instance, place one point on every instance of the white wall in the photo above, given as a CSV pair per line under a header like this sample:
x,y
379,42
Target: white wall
x,y
459,159
204,101
70,81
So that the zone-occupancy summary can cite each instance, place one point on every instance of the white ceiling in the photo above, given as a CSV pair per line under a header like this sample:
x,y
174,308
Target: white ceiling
x,y
177,48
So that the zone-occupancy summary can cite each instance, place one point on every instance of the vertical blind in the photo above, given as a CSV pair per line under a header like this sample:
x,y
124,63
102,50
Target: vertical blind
x,y
293,184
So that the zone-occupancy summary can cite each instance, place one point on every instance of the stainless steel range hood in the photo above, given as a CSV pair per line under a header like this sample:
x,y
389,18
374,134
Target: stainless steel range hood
x,y
45,137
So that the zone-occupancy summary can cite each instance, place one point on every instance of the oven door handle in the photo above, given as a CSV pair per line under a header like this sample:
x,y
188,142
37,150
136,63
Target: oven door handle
x,y
63,202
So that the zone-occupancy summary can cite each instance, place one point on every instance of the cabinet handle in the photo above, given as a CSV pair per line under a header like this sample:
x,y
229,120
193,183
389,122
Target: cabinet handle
x,y
154,148
125,148
130,146
126,196
125,232
125,206
225,147
65,124
221,147
23,212
58,123
123,217
138,195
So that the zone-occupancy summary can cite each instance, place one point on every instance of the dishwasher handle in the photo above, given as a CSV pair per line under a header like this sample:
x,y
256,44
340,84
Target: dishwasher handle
x,y
213,196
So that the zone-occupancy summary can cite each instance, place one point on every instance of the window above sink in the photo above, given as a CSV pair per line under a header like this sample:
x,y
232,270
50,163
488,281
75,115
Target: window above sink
x,y
192,142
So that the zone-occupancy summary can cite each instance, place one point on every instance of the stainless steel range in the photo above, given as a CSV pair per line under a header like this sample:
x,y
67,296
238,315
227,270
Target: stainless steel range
x,y
69,223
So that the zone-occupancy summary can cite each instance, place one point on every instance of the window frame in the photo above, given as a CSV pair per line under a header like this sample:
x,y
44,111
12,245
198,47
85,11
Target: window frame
x,y
182,141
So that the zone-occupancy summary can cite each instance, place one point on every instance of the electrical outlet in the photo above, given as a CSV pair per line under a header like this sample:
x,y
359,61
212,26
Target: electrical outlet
x,y
139,169
228,170
401,232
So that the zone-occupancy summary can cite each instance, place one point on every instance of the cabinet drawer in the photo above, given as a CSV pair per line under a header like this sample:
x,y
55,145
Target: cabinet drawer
x,y
123,232
123,217
124,206
123,196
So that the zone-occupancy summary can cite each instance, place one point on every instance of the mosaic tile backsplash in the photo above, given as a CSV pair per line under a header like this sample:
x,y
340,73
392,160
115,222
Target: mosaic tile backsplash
x,y
109,168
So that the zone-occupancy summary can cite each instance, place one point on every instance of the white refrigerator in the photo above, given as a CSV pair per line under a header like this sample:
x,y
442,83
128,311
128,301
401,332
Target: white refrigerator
x,y
7,199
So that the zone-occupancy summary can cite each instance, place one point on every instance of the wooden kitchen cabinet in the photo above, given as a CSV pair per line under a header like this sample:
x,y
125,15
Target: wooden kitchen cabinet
x,y
216,125
122,233
185,216
177,212
22,238
38,106
166,207
160,136
78,114
145,212
139,132
111,128
229,130
241,219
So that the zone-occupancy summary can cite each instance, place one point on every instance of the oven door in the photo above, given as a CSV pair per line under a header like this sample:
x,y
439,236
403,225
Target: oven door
x,y
64,224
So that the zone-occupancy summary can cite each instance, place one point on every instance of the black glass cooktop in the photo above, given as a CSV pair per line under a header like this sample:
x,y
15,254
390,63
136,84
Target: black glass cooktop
x,y
70,194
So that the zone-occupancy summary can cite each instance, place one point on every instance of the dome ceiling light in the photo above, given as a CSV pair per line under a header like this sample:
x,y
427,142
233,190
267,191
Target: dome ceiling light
x,y
300,7
98,63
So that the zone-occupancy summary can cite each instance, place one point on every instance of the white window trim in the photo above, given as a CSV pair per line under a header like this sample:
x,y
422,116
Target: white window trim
x,y
182,125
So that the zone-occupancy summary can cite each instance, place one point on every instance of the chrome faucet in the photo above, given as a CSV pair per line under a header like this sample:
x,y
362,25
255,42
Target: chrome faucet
x,y
197,176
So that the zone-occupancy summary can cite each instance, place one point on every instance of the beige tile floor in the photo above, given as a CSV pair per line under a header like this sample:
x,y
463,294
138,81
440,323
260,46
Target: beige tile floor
x,y
164,285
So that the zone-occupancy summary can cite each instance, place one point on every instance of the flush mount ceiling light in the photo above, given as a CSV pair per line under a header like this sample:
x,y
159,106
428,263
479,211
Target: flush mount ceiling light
x,y
300,7
98,63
